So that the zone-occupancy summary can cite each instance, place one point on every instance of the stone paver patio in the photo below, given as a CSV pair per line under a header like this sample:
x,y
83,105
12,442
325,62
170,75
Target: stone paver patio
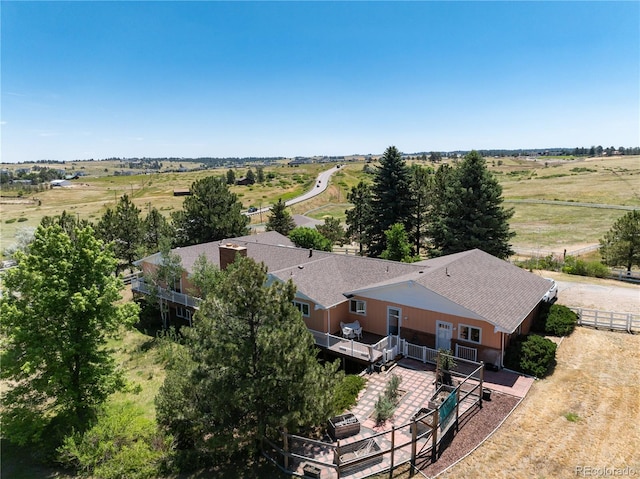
x,y
417,387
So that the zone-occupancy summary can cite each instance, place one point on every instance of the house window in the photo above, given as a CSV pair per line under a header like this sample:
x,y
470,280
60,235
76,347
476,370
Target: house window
x,y
302,307
357,306
183,313
469,333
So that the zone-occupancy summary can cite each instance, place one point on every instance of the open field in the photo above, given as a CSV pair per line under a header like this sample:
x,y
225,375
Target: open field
x,y
610,181
585,414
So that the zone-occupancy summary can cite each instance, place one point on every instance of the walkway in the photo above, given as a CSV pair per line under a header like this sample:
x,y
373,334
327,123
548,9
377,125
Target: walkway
x,y
503,381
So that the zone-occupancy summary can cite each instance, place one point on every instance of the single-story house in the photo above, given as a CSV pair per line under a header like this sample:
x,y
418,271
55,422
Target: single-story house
x,y
470,302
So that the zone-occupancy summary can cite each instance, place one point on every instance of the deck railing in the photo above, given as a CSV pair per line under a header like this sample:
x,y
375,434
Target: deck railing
x,y
421,353
139,285
466,352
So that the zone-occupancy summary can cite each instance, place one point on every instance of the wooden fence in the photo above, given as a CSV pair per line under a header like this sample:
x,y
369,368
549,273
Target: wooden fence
x,y
629,322
418,442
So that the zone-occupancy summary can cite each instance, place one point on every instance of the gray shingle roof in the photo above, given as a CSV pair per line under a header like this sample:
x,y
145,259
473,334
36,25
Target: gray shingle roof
x,y
496,290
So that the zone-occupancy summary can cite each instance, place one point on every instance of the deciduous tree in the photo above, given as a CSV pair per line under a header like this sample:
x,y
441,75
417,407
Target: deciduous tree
x,y
398,247
58,309
311,238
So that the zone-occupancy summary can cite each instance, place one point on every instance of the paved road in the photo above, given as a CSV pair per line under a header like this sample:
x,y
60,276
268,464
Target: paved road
x,y
321,184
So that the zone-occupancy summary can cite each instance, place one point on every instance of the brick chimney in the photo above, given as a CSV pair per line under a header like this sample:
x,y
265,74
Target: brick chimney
x,y
228,252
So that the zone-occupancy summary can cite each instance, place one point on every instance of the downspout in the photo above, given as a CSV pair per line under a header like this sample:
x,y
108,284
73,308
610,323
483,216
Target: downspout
x,y
501,350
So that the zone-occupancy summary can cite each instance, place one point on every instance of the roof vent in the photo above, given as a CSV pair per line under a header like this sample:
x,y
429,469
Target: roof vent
x,y
300,266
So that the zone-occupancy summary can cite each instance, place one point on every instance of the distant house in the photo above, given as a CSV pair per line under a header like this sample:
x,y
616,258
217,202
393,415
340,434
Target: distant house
x,y
471,302
244,181
182,192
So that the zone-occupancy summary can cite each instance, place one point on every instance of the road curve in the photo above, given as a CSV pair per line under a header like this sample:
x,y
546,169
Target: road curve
x,y
320,185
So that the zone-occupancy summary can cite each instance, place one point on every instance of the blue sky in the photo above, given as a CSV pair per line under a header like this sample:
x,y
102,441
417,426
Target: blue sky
x,y
153,79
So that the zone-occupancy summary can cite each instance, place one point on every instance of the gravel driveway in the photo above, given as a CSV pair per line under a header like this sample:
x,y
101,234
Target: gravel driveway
x,y
593,293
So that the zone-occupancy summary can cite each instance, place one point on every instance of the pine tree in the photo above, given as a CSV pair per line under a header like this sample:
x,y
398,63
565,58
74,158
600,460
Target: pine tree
x,y
123,227
155,228
620,246
279,219
469,212
250,367
391,198
358,218
211,213
421,207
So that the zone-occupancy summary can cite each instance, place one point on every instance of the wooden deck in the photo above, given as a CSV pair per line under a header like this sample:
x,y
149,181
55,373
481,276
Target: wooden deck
x,y
368,349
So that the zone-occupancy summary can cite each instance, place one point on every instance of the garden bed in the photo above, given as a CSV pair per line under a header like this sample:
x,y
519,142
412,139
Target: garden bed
x,y
343,426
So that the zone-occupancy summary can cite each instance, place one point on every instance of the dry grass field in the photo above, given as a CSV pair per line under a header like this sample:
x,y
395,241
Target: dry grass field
x,y
610,181
584,415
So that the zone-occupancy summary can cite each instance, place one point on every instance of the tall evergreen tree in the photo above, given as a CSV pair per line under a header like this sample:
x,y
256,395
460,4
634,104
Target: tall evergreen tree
x,y
251,367
421,191
469,212
231,177
155,228
211,213
279,219
251,177
620,246
123,227
359,217
391,198
64,290
333,230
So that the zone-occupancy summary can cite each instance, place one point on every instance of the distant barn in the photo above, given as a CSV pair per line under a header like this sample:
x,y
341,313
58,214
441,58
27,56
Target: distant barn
x,y
244,181
183,192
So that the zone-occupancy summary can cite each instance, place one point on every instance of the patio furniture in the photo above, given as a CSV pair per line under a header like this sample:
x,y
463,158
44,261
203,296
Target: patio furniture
x,y
357,329
347,331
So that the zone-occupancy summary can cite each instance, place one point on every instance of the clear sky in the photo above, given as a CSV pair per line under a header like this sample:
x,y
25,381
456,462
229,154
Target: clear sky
x,y
186,79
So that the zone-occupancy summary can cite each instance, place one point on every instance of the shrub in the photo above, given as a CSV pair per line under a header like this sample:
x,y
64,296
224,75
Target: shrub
x,y
383,409
561,321
122,444
11,220
391,391
22,219
585,268
347,391
532,355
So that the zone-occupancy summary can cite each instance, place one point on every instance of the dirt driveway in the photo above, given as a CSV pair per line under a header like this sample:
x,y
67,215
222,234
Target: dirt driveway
x,y
593,293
